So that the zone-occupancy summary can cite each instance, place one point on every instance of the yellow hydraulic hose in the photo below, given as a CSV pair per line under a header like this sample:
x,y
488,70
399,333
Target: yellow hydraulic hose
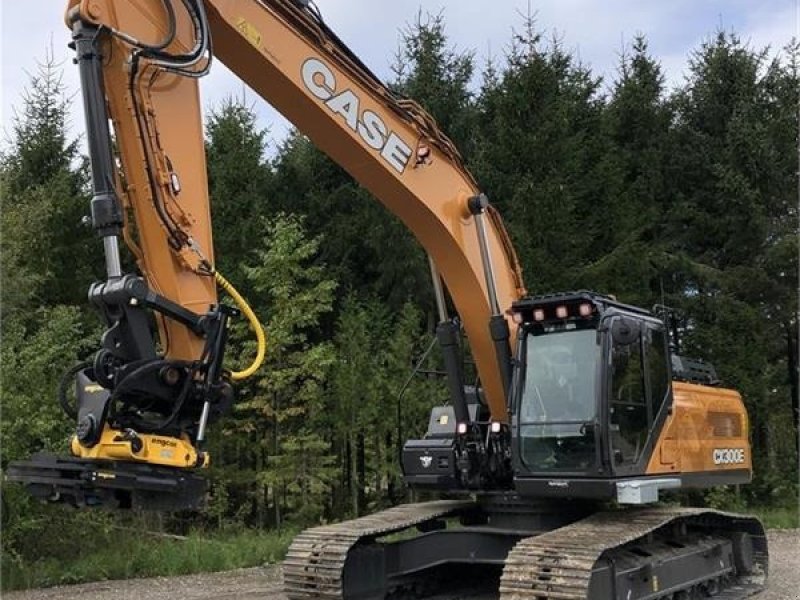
x,y
254,323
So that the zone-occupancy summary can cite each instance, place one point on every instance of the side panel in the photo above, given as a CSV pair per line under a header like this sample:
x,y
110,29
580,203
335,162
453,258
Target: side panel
x,y
705,434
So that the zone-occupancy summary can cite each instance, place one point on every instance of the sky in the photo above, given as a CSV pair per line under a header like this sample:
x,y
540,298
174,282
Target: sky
x,y
596,30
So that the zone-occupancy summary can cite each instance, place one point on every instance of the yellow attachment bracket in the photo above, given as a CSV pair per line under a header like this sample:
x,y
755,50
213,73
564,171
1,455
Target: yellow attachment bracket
x,y
255,324
142,447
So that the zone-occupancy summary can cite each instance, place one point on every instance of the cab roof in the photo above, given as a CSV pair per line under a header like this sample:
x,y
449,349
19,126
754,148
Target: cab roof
x,y
602,302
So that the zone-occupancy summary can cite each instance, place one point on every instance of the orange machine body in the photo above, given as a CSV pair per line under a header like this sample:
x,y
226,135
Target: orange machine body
x,y
706,432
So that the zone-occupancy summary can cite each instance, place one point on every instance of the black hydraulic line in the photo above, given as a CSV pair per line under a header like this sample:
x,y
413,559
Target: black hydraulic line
x,y
168,39
175,239
168,62
447,334
179,63
66,379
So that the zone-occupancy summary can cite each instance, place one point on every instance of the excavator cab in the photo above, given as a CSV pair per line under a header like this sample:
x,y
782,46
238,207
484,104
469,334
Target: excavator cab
x,y
600,407
592,389
589,395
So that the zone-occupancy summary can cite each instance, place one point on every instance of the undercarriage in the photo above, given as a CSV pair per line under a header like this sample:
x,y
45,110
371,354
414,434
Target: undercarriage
x,y
542,550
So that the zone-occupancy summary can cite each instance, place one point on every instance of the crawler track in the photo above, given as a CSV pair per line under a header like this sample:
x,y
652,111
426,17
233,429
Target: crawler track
x,y
314,565
666,552
560,564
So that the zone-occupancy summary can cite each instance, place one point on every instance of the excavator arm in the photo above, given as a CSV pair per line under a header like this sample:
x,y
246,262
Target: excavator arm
x,y
146,399
285,52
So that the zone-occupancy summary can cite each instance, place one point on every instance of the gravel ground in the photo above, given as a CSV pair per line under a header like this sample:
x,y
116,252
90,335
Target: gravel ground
x,y
262,583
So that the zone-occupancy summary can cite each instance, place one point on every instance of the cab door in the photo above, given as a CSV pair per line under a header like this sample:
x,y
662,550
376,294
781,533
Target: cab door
x,y
638,391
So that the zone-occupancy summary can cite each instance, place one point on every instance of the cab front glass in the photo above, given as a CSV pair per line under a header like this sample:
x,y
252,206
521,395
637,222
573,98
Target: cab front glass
x,y
558,400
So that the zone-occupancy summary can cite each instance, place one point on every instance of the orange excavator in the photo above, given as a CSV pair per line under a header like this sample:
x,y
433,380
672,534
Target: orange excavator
x,y
548,472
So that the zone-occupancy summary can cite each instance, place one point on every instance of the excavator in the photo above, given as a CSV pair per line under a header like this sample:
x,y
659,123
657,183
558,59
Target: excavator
x,y
549,471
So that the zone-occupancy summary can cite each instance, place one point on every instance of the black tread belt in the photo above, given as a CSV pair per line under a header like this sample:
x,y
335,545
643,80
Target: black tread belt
x,y
314,565
558,564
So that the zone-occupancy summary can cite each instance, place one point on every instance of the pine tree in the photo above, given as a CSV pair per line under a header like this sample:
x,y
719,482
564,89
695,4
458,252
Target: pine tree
x,y
240,184
540,154
407,395
48,256
625,251
781,85
354,392
732,222
278,405
436,76
375,404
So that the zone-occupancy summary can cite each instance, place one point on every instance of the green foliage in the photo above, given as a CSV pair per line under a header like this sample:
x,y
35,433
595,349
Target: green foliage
x,y
239,181
45,265
376,350
303,470
778,518
625,254
293,293
309,183
540,155
436,76
33,358
729,220
48,256
143,555
32,361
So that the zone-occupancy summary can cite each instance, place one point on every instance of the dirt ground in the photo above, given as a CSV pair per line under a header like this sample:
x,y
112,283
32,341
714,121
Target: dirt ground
x,y
265,582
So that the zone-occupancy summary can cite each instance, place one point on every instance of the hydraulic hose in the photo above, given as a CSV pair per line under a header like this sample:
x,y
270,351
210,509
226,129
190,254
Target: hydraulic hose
x,y
261,338
66,379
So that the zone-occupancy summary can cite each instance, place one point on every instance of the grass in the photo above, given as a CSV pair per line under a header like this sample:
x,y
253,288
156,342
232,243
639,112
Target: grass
x,y
778,518
143,556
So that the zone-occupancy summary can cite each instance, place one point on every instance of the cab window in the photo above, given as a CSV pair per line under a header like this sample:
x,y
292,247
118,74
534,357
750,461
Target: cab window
x,y
639,388
658,374
628,406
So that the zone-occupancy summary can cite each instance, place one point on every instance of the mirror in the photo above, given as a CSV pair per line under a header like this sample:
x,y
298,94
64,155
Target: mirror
x,y
625,331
